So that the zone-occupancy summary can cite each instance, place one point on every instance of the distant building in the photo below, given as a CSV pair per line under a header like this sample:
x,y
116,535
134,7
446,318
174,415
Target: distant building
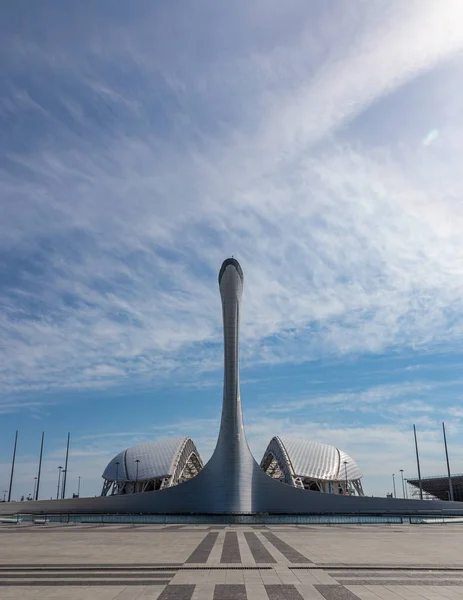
x,y
438,487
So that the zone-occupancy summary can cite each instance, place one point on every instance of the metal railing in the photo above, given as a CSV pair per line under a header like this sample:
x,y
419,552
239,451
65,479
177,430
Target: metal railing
x,y
435,517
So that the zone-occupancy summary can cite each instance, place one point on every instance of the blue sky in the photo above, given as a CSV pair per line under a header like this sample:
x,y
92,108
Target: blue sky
x,y
141,144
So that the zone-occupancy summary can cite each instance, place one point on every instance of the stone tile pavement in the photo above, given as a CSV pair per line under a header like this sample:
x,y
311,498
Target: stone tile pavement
x,y
204,562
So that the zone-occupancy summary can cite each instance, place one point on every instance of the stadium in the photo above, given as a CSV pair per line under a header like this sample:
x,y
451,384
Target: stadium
x,y
152,466
299,463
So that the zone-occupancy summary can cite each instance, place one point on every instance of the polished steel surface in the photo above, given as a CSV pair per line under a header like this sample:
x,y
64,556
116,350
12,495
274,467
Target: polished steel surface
x,y
232,470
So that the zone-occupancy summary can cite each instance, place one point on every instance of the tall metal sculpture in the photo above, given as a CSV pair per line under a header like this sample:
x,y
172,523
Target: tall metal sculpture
x,y
231,475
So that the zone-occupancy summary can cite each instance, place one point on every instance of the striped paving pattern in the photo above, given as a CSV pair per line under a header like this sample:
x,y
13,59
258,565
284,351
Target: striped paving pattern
x,y
257,548
280,592
232,591
177,592
231,549
203,550
220,563
288,551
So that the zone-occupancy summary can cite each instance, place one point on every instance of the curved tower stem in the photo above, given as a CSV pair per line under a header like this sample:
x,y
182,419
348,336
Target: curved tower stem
x,y
231,290
232,466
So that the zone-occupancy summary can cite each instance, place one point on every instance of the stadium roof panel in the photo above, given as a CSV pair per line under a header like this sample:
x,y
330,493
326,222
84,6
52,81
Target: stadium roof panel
x,y
312,459
157,460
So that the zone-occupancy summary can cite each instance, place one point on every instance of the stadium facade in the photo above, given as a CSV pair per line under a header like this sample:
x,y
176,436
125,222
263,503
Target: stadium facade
x,y
438,486
312,466
299,463
152,466
232,482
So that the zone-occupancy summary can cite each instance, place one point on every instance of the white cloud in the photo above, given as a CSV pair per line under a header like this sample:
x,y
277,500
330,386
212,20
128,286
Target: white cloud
x,y
399,44
344,250
377,398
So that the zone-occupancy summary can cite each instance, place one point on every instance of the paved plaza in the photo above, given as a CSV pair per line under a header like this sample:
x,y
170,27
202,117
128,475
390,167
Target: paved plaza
x,y
218,562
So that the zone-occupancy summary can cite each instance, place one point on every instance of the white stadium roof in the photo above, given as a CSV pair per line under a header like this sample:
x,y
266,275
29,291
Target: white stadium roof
x,y
165,463
304,458
158,459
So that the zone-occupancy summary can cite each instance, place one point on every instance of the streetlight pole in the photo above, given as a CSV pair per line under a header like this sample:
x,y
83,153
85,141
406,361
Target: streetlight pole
x,y
78,488
393,484
136,480
65,472
40,468
448,464
12,466
418,463
59,479
63,482
403,484
35,487
5,492
345,469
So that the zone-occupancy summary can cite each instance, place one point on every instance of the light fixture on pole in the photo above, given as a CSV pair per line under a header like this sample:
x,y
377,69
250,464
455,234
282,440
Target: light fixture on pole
x,y
345,469
403,483
393,484
59,479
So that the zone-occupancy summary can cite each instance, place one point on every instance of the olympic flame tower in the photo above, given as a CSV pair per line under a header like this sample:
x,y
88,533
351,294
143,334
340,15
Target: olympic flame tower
x,y
232,467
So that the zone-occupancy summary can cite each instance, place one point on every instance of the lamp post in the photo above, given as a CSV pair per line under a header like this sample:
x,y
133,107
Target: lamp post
x,y
59,479
418,463
403,484
40,468
35,487
406,489
393,484
12,466
78,488
65,472
136,479
448,464
63,483
345,469
5,492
